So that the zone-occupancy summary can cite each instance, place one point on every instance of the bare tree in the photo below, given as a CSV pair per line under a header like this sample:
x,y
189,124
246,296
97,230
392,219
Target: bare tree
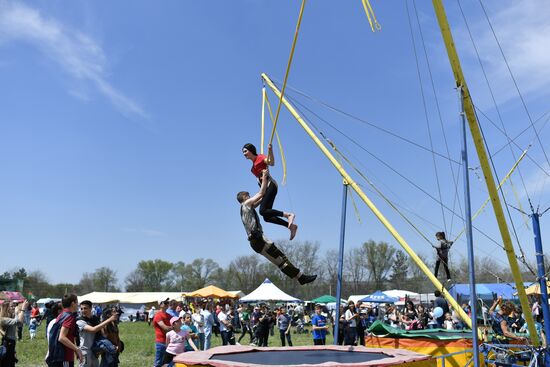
x,y
355,269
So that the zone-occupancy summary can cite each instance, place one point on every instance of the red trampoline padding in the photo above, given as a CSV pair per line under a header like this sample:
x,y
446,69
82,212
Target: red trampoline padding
x,y
304,356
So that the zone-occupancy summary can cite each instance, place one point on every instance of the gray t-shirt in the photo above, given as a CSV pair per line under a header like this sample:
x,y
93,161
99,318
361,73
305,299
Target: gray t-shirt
x,y
9,325
251,222
86,341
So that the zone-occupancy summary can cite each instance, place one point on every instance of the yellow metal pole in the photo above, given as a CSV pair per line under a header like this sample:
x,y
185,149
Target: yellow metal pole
x,y
370,204
263,121
484,161
489,198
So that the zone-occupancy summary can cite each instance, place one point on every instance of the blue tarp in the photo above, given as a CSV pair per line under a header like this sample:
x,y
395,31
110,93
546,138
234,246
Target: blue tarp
x,y
485,290
379,297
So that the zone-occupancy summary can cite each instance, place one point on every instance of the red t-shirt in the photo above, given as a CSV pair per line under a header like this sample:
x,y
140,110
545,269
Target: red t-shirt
x,y
259,165
70,325
160,334
35,312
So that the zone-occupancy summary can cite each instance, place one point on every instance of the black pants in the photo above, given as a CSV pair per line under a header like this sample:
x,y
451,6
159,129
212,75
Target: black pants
x,y
10,359
227,337
319,341
262,336
245,327
266,207
445,266
284,336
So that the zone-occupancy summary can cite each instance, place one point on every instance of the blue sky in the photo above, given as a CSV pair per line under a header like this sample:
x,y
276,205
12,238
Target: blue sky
x,y
122,122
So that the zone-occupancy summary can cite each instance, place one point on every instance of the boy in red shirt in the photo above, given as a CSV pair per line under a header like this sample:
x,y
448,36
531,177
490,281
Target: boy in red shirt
x,y
161,323
68,331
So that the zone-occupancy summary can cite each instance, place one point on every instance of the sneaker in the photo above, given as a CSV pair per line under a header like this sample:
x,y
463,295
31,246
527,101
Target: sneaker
x,y
305,279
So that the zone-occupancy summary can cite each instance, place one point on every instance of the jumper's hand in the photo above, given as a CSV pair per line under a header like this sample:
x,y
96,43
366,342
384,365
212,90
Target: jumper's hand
x,y
269,146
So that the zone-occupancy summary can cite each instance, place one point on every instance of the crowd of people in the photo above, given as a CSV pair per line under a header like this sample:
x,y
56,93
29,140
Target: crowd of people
x,y
91,333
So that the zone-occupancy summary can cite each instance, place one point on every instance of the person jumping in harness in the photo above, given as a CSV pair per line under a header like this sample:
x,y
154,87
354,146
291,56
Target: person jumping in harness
x,y
442,248
258,241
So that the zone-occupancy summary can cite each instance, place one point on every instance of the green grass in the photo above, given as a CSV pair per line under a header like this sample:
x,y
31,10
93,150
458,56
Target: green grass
x,y
139,342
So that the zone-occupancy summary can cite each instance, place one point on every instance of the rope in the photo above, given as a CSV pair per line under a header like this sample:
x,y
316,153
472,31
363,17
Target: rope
x,y
425,107
455,177
289,64
495,104
515,83
279,143
370,13
365,122
295,103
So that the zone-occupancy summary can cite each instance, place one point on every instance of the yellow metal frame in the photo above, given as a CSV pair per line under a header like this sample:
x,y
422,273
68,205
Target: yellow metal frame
x,y
484,162
369,203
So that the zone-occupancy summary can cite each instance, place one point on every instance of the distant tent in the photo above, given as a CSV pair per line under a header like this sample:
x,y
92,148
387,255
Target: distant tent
x,y
268,292
324,299
379,297
211,292
128,297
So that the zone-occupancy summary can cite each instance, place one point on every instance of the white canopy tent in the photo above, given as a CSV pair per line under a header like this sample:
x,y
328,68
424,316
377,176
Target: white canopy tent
x,y
129,297
268,292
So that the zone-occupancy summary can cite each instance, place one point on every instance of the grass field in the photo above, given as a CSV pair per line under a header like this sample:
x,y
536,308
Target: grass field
x,y
139,341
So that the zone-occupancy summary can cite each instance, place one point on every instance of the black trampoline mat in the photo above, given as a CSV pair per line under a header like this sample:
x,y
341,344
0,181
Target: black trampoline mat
x,y
290,357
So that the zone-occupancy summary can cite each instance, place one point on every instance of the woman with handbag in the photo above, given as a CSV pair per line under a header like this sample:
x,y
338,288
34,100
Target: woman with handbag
x,y
11,317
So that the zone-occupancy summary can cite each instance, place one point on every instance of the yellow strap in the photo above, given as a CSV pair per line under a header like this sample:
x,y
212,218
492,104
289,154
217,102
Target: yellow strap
x,y
374,25
263,121
283,160
287,70
498,188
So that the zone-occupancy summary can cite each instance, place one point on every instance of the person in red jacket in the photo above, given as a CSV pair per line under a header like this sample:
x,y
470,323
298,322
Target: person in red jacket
x,y
260,163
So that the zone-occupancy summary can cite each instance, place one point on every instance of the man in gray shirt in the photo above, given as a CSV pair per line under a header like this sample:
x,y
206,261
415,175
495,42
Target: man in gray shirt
x,y
260,243
88,326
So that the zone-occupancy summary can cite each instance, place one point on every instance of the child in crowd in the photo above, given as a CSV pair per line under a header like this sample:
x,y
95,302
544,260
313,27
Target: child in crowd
x,y
175,341
448,323
33,324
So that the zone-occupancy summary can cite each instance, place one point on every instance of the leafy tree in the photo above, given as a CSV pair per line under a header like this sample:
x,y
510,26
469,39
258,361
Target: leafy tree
x,y
400,270
180,274
105,280
200,272
86,283
154,274
379,258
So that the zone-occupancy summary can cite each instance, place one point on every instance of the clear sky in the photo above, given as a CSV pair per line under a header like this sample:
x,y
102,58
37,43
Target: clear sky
x,y
121,123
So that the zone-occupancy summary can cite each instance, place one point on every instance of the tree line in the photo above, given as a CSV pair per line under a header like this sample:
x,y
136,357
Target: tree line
x,y
369,267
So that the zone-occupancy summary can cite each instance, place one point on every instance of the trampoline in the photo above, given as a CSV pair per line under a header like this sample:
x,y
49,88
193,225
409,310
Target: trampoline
x,y
305,356
434,342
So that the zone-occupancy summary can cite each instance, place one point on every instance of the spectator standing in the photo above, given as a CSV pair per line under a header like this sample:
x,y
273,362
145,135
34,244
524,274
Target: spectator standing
x,y
11,317
441,302
264,324
68,331
161,323
351,317
150,315
206,312
176,340
191,329
226,329
172,309
319,327
88,326
198,321
244,318
284,325
361,322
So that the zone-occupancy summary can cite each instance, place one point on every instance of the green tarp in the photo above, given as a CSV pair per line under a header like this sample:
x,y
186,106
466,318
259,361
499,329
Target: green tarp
x,y
324,299
384,330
